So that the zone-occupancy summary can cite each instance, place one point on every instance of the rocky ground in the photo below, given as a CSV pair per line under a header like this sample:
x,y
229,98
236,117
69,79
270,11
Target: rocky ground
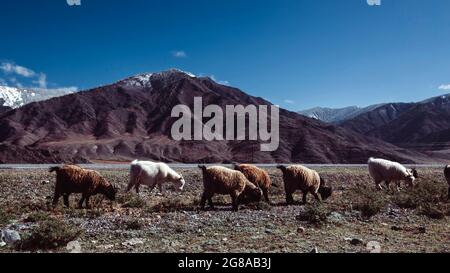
x,y
357,218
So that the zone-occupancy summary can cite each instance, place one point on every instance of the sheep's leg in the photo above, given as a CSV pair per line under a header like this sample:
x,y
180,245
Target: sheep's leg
x,y
66,200
378,185
203,201
289,198
87,202
398,186
235,201
266,195
160,187
210,202
136,187
80,203
317,197
305,198
56,198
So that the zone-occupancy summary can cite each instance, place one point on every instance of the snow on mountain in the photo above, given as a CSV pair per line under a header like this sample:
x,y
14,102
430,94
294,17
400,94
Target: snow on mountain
x,y
144,80
336,115
14,97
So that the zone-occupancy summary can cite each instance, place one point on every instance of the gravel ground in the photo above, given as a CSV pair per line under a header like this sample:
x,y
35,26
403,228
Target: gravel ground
x,y
172,222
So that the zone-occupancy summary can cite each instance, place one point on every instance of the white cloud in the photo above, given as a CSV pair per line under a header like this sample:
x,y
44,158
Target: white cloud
x,y
288,101
15,82
179,54
9,67
41,81
37,80
445,87
70,89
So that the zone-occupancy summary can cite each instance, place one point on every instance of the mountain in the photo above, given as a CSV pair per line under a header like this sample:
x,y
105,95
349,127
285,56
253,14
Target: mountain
x,y
336,115
15,97
423,126
132,119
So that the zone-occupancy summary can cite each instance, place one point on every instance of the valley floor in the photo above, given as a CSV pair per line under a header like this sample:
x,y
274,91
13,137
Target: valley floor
x,y
410,221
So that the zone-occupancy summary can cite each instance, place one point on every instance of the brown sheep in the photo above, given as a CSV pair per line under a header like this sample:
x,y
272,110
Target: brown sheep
x,y
447,176
298,177
257,176
73,179
221,180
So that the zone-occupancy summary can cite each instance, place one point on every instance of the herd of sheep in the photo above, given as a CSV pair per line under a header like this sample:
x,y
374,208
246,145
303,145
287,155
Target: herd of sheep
x,y
243,182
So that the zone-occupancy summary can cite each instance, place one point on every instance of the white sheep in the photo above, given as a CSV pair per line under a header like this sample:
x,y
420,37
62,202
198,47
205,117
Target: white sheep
x,y
151,174
388,171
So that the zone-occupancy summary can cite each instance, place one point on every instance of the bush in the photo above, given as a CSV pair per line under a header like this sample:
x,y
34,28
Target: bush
x,y
368,200
37,216
133,224
174,204
50,234
423,194
4,218
131,201
433,211
315,214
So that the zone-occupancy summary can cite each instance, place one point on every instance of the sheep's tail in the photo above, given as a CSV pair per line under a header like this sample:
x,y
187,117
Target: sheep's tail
x,y
54,169
370,160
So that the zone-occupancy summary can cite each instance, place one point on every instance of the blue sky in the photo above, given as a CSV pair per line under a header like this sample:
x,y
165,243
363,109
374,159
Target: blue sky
x,y
296,53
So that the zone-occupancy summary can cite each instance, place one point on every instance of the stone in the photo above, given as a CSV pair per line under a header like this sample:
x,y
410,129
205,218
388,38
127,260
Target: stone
x,y
73,247
10,237
373,247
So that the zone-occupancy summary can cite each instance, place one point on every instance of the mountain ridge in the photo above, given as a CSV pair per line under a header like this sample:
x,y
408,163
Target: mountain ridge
x,y
121,122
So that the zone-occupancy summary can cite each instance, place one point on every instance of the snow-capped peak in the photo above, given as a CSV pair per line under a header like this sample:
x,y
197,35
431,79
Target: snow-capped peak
x,y
16,97
12,97
144,79
141,80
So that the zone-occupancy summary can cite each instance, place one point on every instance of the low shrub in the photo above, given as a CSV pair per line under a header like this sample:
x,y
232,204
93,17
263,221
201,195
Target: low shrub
x,y
315,214
423,194
131,201
50,234
367,200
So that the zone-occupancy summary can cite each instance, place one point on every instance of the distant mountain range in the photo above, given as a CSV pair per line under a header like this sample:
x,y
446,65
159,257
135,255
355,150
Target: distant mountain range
x,y
336,115
132,119
422,126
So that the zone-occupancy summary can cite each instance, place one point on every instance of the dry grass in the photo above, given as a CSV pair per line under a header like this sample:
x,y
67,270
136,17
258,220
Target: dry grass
x,y
173,223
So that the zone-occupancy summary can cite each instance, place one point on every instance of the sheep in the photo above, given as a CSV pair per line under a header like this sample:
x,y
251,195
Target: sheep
x,y
384,170
73,179
298,177
221,180
153,174
447,176
257,176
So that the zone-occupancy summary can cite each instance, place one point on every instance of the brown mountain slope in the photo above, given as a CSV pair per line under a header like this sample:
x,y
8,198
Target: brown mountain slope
x,y
422,126
132,119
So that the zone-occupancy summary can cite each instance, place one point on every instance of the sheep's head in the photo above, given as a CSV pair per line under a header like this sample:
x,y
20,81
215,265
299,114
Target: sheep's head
x,y
251,194
110,192
411,177
325,192
180,183
282,168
